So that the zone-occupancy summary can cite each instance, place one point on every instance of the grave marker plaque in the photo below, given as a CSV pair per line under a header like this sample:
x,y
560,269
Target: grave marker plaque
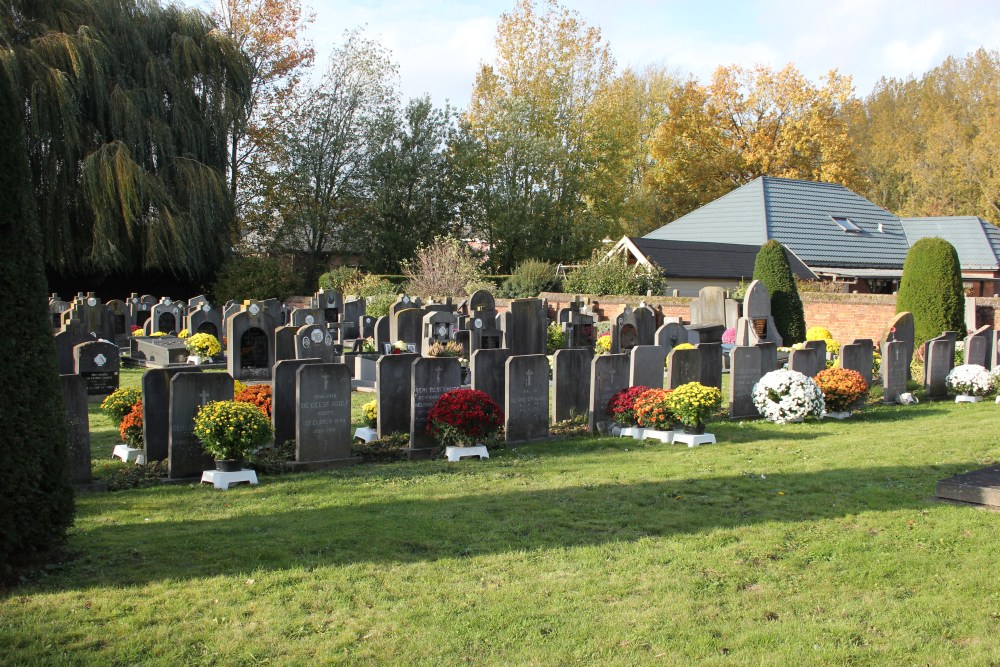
x,y
432,377
188,393
571,383
322,413
526,401
98,364
393,382
608,376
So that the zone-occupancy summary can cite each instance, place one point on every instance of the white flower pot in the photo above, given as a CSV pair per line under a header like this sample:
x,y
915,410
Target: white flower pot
x,y
966,398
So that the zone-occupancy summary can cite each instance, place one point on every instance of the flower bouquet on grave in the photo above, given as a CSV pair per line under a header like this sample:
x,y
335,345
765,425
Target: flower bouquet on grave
x,y
784,396
368,345
370,412
136,330
183,333
257,394
603,344
842,389
679,346
621,408
692,404
130,429
120,403
203,345
652,413
230,430
970,381
448,349
399,347
729,336
464,417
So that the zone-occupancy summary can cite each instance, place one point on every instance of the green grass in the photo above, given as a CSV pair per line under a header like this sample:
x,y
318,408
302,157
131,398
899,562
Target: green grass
x,y
814,543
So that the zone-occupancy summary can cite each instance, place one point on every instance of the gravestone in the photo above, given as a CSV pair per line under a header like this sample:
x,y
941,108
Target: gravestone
x,y
571,383
900,328
709,307
393,378
670,335
939,361
204,318
704,333
683,366
331,302
487,371
857,356
56,309
158,352
432,377
711,364
809,360
196,301
979,346
121,321
526,400
628,337
284,342
407,326
769,357
644,320
313,341
283,402
608,376
300,317
403,302
95,316
747,367
323,414
895,368
74,394
381,334
250,343
274,308
188,393
65,341
140,308
98,364
438,327
757,325
167,317
367,327
354,310
646,366
526,332
156,411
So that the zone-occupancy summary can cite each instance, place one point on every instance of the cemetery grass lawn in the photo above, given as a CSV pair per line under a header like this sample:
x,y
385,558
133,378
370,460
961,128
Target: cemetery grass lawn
x,y
815,543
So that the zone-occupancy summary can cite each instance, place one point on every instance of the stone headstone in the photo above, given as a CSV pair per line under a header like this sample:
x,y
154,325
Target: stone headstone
x,y
526,404
526,332
747,365
283,402
74,393
367,326
121,321
704,333
570,383
900,328
354,310
331,302
858,356
250,343
322,413
393,383
979,346
939,361
188,393
407,325
65,341
381,334
432,377
646,366
314,341
205,318
757,325
683,366
284,342
481,300
711,364
300,317
156,411
167,316
895,368
711,306
670,335
98,364
438,327
488,375
608,375
56,309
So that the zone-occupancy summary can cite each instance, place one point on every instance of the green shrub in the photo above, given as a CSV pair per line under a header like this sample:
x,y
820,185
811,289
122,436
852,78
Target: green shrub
x,y
771,268
931,289
391,447
379,293
602,275
555,338
136,476
257,278
340,278
530,278
36,498
441,269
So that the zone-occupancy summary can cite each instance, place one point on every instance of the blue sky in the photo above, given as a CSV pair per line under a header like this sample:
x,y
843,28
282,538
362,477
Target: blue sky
x,y
439,44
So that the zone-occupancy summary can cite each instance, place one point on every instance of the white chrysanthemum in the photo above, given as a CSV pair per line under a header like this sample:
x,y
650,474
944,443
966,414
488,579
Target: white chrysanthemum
x,y
782,396
970,379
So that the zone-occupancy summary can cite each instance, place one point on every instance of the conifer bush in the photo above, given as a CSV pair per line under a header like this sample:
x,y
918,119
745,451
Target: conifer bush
x,y
931,289
771,268
530,278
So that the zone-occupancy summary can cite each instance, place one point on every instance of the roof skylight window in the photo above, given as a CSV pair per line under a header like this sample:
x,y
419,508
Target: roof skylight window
x,y
845,224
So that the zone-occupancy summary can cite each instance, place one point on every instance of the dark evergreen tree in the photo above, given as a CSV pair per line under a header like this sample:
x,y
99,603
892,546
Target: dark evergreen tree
x,y
931,289
36,498
771,268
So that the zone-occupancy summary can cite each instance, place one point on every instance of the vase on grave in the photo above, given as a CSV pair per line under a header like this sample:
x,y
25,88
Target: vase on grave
x,y
228,465
697,429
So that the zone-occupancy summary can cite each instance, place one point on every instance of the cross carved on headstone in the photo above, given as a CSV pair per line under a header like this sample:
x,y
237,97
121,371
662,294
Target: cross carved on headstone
x,y
326,382
204,396
437,374
527,377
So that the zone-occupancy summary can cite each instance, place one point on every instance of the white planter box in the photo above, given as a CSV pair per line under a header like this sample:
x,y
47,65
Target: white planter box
x,y
666,437
966,398
126,453
630,432
459,453
692,440
365,433
838,415
223,480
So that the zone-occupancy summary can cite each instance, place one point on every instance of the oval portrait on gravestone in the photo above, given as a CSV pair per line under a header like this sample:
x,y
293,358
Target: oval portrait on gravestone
x,y
478,323
135,300
145,306
328,340
442,330
254,309
166,301
206,307
91,301
310,319
317,336
306,344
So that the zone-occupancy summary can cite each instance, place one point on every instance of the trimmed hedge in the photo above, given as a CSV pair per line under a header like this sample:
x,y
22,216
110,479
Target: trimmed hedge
x,y
771,268
931,289
36,497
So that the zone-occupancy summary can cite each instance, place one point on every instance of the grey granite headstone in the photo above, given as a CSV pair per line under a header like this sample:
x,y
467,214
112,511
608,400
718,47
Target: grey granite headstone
x,y
747,368
284,342
407,326
205,319
74,393
608,376
757,325
571,383
712,306
65,340
322,413
300,317
683,366
939,361
121,321
900,328
382,334
526,404
188,393
313,341
98,364
979,346
857,356
526,332
710,364
167,316
646,366
432,377
809,361
283,403
488,375
393,378
250,343
670,335
156,411
895,368
768,356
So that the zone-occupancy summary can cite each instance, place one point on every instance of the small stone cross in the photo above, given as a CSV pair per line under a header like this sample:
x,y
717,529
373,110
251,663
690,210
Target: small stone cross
x,y
437,374
204,396
527,377
326,382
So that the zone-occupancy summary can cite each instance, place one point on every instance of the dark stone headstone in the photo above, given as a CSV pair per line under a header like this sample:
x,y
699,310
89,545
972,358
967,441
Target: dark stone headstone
x,y
526,404
807,360
382,334
979,346
188,393
900,329
65,340
313,341
571,383
121,321
527,327
488,375
939,361
857,356
683,366
300,317
747,368
608,376
283,403
408,327
98,364
74,393
895,369
392,391
284,343
432,377
250,343
156,411
354,309
204,318
670,335
711,364
646,366
322,413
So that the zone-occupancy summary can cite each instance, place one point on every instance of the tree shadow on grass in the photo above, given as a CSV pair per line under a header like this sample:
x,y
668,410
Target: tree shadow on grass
x,y
408,530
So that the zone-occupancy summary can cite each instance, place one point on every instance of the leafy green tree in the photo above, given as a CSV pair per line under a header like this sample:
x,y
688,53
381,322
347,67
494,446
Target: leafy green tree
x,y
772,269
931,289
126,106
255,277
36,499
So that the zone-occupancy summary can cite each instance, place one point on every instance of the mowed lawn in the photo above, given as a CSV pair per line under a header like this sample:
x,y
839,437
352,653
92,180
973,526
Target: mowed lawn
x,y
805,544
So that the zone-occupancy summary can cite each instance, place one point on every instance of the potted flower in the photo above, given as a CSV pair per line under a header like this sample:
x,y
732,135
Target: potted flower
x,y
970,382
120,402
130,429
784,396
652,413
463,419
256,394
603,344
369,432
399,347
231,430
368,346
450,348
202,347
842,389
621,409
692,404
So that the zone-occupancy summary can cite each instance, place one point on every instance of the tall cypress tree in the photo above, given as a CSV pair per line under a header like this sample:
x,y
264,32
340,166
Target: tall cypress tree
x,y
931,289
771,268
36,498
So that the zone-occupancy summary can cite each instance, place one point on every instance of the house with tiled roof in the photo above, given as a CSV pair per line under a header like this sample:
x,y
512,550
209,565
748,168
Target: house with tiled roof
x,y
833,233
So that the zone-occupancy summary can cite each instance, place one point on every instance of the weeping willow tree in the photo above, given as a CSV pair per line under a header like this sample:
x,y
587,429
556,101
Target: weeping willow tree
x,y
125,106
